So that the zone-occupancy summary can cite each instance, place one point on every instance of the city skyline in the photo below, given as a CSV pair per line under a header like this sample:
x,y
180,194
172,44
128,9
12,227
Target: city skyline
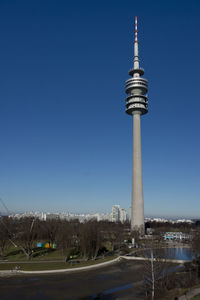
x,y
7,211
115,214
65,139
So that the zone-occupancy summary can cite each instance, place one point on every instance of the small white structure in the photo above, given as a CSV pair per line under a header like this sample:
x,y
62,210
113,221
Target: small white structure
x,y
176,236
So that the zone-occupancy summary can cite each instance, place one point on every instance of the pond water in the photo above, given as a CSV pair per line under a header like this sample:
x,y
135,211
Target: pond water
x,y
179,253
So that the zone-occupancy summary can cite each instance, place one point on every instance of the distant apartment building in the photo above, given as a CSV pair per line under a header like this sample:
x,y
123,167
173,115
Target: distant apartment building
x,y
123,215
118,214
115,213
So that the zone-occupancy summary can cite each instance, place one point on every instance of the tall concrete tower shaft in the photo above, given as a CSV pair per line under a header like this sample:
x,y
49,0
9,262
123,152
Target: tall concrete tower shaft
x,y
137,105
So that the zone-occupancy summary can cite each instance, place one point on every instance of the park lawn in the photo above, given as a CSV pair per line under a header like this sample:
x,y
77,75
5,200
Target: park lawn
x,y
48,255
33,266
16,254
41,265
196,297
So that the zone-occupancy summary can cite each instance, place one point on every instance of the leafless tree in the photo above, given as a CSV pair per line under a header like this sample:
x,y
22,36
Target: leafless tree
x,y
115,234
90,239
27,235
67,239
51,228
196,242
5,234
155,271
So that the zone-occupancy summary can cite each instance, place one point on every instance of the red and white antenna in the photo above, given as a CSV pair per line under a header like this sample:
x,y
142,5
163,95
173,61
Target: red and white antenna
x,y
136,39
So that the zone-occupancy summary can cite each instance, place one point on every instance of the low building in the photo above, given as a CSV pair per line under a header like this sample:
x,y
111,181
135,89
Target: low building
x,y
169,236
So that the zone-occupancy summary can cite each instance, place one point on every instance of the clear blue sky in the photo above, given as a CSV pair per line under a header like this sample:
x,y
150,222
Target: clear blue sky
x,y
65,140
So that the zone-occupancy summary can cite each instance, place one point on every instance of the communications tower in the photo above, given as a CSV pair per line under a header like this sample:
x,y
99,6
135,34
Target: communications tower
x,y
137,105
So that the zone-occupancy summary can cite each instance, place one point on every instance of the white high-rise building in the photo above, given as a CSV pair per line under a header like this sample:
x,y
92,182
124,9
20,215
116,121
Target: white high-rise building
x,y
115,213
123,215
118,214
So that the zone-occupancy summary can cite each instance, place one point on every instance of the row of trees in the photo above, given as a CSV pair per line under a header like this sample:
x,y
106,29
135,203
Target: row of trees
x,y
168,226
88,238
92,238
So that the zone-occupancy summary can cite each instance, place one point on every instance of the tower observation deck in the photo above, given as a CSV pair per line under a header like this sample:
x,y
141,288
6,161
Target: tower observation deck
x,y
137,105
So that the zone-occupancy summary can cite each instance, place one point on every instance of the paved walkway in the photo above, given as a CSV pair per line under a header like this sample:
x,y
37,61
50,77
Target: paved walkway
x,y
95,266
190,294
30,261
176,261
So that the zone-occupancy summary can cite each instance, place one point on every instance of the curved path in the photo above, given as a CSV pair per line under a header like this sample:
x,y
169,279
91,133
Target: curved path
x,y
175,261
190,294
95,266
118,280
